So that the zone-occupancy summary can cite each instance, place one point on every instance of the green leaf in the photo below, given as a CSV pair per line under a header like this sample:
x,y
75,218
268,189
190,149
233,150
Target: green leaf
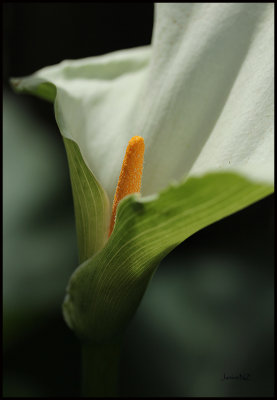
x,y
91,204
105,291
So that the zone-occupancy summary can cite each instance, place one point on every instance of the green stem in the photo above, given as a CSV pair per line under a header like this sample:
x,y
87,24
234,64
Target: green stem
x,y
100,370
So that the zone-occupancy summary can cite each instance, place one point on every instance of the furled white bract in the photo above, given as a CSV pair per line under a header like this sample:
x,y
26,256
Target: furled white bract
x,y
201,95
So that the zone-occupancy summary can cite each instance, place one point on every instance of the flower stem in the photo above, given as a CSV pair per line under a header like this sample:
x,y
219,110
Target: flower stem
x,y
100,369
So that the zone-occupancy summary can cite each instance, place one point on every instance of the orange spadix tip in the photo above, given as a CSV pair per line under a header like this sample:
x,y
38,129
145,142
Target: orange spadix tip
x,y
131,172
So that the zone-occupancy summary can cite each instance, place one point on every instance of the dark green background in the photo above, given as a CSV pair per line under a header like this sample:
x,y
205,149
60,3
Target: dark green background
x,y
208,310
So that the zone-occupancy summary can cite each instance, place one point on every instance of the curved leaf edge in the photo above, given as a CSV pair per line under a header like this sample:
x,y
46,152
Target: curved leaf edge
x,y
105,291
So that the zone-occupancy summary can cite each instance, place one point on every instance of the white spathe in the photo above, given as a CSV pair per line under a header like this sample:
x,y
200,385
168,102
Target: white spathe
x,y
201,95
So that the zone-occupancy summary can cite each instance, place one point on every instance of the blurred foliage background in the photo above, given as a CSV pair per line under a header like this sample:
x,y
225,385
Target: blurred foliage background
x,y
208,310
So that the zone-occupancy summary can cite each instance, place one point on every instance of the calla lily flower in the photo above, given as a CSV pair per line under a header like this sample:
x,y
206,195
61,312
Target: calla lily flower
x,y
201,96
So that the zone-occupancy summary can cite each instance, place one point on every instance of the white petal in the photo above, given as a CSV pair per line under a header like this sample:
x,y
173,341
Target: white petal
x,y
93,108
93,103
204,101
207,103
